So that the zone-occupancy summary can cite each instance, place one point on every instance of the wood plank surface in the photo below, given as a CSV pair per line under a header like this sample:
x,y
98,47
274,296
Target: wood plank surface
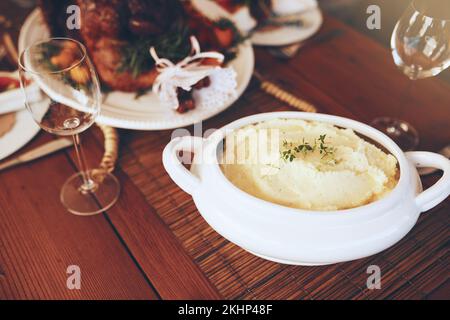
x,y
39,239
158,252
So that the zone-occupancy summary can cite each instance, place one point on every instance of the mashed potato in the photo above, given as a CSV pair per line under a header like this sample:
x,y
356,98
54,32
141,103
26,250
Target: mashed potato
x,y
307,165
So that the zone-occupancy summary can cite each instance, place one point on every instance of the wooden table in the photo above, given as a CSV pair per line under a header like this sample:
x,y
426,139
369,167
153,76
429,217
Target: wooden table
x,y
154,244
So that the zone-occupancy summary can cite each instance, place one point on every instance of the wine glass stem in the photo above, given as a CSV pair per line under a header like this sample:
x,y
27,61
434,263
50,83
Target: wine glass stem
x,y
88,184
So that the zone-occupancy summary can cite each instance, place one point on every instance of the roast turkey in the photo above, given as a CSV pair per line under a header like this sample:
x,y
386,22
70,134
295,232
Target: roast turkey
x,y
118,34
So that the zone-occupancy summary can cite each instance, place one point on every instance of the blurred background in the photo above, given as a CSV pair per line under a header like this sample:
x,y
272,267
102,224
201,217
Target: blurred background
x,y
352,12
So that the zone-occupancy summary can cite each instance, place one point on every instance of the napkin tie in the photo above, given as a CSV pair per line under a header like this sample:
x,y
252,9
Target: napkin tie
x,y
183,74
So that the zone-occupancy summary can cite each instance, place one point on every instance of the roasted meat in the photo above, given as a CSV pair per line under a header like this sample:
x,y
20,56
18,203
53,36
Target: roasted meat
x,y
119,33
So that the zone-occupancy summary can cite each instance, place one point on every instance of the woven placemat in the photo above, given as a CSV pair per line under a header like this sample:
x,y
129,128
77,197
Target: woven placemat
x,y
410,269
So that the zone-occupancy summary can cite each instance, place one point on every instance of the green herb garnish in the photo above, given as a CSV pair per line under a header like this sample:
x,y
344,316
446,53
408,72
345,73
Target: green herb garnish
x,y
306,148
173,45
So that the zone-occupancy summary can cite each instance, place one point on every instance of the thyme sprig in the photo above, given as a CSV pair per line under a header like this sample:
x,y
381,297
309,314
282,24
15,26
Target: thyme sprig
x,y
173,45
305,148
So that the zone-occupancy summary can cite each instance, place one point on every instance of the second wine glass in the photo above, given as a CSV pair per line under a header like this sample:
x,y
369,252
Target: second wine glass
x,y
420,47
62,93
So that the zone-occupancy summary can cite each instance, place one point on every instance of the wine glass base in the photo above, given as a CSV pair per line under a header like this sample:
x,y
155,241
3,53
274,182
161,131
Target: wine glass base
x,y
403,133
89,203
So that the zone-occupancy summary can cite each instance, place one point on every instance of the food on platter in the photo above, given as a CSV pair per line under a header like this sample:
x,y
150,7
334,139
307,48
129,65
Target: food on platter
x,y
8,120
7,83
308,165
118,35
245,14
176,81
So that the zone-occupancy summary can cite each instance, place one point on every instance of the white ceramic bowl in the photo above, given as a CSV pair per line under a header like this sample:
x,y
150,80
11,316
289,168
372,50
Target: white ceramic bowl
x,y
303,237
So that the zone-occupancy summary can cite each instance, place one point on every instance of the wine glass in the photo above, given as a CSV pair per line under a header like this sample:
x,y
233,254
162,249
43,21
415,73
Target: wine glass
x,y
62,93
421,48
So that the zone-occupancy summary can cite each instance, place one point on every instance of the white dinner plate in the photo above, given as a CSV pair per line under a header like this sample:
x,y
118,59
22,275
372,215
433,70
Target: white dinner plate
x,y
23,131
123,110
312,21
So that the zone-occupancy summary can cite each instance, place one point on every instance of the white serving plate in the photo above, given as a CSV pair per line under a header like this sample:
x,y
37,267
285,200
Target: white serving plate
x,y
282,36
23,131
123,110
303,237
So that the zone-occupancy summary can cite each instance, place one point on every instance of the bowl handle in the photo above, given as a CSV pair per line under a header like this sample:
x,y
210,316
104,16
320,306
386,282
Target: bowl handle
x,y
439,191
176,170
